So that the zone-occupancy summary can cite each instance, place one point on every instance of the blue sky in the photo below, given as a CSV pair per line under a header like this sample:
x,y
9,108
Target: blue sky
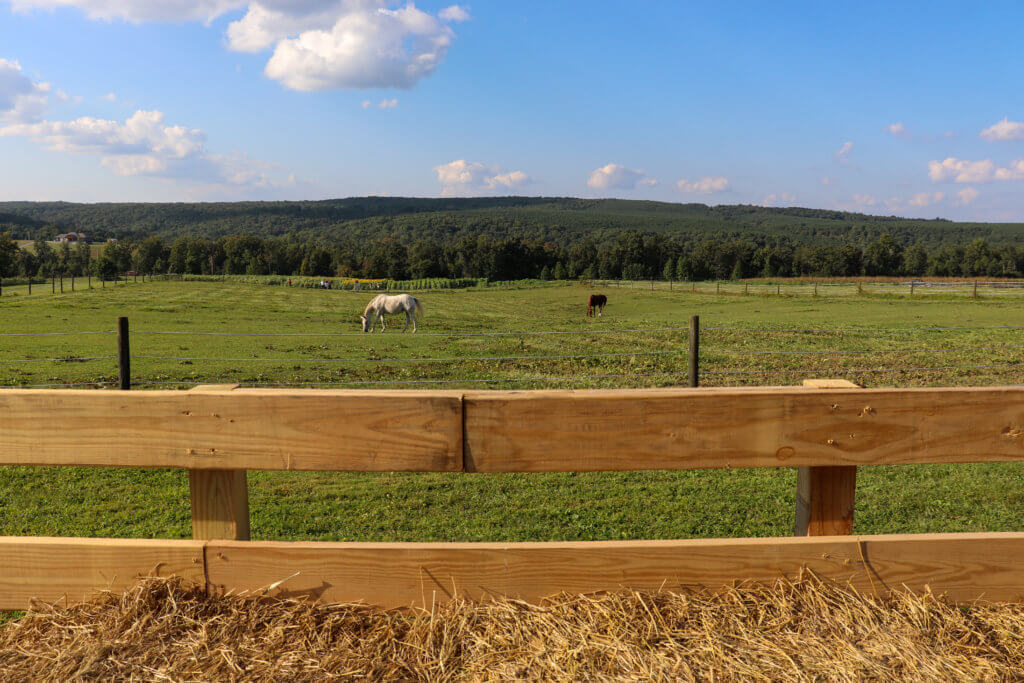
x,y
913,109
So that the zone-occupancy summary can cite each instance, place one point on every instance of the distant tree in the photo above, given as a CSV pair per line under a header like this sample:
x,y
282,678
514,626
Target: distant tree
x,y
669,271
8,255
883,257
915,260
560,273
148,253
634,271
318,262
737,271
545,273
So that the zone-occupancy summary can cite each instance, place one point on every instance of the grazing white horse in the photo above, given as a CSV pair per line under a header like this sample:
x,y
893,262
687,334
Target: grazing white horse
x,y
387,304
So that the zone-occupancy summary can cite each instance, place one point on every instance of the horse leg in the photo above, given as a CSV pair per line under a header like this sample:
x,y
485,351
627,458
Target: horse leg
x,y
383,326
406,322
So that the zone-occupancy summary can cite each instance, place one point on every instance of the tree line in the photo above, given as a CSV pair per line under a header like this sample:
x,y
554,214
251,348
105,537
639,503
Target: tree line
x,y
630,255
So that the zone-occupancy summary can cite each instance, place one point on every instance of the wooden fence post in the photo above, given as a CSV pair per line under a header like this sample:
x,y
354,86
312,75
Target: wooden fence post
x,y
778,290
220,498
825,496
746,288
815,289
694,350
124,362
975,293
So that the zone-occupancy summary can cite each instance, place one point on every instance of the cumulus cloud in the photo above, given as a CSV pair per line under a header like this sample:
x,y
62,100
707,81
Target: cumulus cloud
x,y
964,171
615,176
926,198
454,13
826,181
1004,130
842,155
896,129
388,104
864,200
138,11
966,196
22,100
706,185
144,145
314,44
778,198
463,177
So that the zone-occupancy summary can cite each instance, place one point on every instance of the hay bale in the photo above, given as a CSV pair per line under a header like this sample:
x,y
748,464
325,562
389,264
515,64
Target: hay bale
x,y
791,630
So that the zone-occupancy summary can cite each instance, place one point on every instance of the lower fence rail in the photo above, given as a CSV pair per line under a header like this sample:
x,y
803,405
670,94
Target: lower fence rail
x,y
964,567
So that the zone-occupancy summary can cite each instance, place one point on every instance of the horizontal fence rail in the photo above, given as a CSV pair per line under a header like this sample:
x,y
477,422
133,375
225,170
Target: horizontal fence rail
x,y
964,567
512,431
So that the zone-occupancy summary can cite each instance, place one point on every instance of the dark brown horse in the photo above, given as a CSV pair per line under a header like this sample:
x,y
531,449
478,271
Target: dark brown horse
x,y
597,302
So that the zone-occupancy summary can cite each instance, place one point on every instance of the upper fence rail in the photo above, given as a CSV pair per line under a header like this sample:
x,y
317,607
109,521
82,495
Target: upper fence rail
x,y
511,431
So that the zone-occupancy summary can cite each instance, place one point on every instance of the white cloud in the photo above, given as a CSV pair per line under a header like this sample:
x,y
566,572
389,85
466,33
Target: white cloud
x,y
615,176
22,100
367,104
964,171
966,196
897,129
926,198
778,198
513,179
864,200
463,177
138,10
826,181
316,44
649,182
842,154
1004,130
454,13
388,104
706,185
144,145
110,97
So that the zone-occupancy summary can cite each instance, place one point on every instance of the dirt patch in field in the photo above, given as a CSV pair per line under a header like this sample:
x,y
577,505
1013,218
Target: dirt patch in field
x,y
806,629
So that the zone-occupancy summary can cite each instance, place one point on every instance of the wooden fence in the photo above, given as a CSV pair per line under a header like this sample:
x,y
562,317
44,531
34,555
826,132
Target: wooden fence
x,y
827,429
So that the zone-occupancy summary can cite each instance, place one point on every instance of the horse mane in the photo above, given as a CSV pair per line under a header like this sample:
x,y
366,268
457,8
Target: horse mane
x,y
370,306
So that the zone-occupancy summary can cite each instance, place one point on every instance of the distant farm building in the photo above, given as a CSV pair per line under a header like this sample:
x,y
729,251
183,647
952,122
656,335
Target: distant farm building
x,y
73,237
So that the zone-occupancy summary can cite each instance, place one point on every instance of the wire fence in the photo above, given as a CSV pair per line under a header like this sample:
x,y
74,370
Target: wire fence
x,y
671,351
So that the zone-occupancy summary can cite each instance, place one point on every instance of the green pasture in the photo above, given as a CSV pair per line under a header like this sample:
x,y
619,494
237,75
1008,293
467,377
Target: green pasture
x,y
391,507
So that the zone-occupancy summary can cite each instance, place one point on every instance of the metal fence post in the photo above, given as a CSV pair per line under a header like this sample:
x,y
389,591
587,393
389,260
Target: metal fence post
x,y
694,350
124,364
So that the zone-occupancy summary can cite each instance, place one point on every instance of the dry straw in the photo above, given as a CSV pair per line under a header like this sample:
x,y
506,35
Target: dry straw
x,y
793,630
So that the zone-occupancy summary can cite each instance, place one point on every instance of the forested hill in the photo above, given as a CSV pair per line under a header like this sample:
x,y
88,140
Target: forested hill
x,y
562,220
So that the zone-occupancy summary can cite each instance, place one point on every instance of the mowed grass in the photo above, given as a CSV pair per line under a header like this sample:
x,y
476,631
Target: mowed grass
x,y
590,506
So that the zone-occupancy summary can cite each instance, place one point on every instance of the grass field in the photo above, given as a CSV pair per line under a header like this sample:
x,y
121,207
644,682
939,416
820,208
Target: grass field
x,y
388,507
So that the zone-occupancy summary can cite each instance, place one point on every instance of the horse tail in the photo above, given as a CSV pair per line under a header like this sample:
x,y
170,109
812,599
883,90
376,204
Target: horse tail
x,y
419,307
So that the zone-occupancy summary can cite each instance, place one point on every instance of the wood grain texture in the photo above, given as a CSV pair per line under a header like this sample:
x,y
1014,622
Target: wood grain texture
x,y
73,569
830,384
253,429
826,496
825,501
965,566
220,504
551,431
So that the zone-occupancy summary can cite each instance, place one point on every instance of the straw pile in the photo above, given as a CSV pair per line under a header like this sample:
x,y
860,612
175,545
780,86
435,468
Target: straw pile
x,y
805,629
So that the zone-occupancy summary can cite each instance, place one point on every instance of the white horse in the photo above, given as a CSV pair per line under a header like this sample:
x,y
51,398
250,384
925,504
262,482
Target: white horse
x,y
386,303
